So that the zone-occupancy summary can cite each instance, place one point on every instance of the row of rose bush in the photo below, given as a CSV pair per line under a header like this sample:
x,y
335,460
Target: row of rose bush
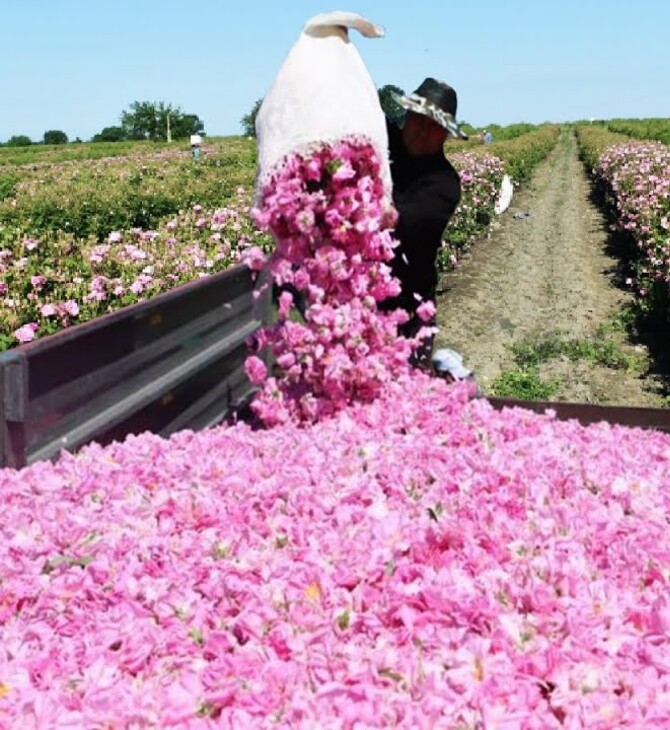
x,y
140,190
521,154
38,154
422,561
635,179
657,129
50,277
53,281
93,197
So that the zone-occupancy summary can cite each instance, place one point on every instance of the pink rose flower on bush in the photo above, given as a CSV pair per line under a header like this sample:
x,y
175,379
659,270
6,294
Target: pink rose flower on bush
x,y
48,310
27,332
71,308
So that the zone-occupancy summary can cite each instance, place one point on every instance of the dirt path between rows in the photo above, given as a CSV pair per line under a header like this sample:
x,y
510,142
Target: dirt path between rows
x,y
553,271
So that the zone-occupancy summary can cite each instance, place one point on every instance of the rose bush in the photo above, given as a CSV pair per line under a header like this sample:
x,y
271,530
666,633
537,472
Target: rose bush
x,y
481,177
55,281
637,175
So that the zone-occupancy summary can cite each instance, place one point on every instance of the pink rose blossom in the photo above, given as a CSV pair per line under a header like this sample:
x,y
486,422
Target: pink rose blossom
x,y
71,308
48,310
27,332
426,311
285,304
254,258
418,561
331,246
38,282
256,370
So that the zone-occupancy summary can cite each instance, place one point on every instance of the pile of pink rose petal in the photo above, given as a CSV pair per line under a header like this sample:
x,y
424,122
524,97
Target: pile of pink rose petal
x,y
420,561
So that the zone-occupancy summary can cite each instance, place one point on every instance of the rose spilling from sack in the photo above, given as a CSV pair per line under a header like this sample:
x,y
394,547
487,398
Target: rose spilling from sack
x,y
332,221
324,192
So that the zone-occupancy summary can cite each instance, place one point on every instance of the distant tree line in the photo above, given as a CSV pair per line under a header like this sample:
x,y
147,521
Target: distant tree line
x,y
155,121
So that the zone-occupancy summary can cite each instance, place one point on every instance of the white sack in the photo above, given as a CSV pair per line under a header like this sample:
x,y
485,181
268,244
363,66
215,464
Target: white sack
x,y
504,196
323,93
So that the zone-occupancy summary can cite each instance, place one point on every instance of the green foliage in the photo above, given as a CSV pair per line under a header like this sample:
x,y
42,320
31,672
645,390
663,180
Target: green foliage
x,y
593,140
525,382
184,125
110,134
599,350
624,321
41,154
19,140
393,111
8,183
523,153
524,385
248,121
55,136
499,132
134,191
151,120
144,119
652,129
511,131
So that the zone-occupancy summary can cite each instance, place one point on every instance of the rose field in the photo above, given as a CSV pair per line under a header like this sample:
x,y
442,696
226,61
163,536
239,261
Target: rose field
x,y
376,547
82,238
85,237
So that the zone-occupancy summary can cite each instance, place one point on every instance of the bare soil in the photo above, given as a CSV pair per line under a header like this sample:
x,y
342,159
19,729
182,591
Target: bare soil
x,y
556,270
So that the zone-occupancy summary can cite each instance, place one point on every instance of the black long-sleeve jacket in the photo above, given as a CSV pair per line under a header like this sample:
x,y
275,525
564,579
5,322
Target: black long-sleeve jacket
x,y
426,192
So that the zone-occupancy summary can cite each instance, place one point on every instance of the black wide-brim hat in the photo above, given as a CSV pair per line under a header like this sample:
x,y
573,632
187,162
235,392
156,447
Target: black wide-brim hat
x,y
436,100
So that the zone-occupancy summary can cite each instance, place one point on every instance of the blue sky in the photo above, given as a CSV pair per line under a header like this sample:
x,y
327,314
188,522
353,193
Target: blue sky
x,y
75,65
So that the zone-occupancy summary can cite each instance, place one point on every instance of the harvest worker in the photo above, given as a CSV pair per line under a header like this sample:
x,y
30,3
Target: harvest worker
x,y
426,192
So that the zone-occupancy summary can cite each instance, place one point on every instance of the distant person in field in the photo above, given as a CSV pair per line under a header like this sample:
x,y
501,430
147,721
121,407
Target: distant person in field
x,y
196,141
488,137
426,192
